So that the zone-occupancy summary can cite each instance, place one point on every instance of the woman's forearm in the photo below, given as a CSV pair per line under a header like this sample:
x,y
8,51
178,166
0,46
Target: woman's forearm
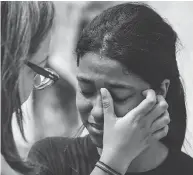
x,y
115,161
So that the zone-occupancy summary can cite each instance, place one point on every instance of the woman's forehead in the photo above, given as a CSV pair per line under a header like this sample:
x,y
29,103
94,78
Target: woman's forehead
x,y
105,71
93,65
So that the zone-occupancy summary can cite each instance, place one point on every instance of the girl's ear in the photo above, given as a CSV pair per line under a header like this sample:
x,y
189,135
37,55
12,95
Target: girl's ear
x,y
164,88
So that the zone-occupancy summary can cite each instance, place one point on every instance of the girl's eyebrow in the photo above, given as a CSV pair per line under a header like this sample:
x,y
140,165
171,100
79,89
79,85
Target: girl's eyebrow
x,y
117,85
114,85
85,80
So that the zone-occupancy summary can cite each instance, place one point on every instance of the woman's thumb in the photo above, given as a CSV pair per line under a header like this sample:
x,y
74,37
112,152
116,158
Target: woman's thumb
x,y
108,107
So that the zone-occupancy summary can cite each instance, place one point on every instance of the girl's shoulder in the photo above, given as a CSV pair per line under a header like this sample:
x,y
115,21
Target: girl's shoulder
x,y
180,156
56,154
51,143
180,162
58,145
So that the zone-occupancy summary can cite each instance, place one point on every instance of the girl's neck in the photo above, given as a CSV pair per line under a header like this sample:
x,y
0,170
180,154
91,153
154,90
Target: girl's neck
x,y
149,159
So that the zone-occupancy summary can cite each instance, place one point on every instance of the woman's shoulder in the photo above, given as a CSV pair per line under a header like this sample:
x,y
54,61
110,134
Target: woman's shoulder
x,y
182,162
55,145
176,163
51,143
181,156
54,153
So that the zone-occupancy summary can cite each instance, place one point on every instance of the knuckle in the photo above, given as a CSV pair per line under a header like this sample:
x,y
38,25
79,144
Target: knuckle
x,y
165,131
142,124
106,104
151,101
164,105
167,120
167,113
165,134
135,122
135,125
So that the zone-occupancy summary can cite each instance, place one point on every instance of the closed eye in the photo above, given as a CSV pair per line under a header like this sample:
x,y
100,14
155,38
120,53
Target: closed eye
x,y
87,93
121,100
118,100
86,89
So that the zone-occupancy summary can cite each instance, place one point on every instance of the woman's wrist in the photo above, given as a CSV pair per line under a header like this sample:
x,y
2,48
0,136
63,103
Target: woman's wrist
x,y
106,168
115,161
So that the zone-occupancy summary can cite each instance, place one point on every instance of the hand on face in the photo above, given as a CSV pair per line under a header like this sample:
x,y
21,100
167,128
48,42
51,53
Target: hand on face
x,y
128,136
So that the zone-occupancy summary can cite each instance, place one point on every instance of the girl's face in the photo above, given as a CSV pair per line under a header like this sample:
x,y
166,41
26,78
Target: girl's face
x,y
95,73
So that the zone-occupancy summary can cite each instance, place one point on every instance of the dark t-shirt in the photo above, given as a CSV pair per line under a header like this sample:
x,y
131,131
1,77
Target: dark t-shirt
x,y
63,156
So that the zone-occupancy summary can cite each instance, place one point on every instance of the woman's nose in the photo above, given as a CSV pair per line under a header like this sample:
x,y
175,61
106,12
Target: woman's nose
x,y
97,110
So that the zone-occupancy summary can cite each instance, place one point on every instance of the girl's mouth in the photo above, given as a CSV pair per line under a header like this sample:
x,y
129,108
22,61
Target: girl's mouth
x,y
95,128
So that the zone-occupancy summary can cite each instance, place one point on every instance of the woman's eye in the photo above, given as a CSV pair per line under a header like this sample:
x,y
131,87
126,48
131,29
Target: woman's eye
x,y
117,100
87,93
121,100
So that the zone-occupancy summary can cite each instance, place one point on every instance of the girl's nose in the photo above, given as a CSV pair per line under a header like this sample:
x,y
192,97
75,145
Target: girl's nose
x,y
97,110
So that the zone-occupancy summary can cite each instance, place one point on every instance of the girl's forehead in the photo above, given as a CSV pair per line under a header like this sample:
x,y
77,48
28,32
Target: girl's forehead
x,y
103,71
93,64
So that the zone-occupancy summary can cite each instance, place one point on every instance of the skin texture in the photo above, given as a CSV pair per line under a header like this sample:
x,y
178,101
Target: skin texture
x,y
95,73
26,77
104,73
27,74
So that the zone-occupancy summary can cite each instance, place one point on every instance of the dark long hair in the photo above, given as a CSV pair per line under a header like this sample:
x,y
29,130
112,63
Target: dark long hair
x,y
136,36
24,25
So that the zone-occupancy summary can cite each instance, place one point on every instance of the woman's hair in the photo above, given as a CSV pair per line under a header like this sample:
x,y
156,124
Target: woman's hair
x,y
92,8
136,36
24,25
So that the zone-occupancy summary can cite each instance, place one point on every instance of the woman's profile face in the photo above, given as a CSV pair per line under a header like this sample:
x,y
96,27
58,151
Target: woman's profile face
x,y
26,76
94,73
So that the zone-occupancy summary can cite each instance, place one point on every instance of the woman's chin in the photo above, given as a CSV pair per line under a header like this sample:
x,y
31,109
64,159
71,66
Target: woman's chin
x,y
96,135
97,141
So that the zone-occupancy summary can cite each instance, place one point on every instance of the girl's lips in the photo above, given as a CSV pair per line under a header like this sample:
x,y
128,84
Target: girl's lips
x,y
97,126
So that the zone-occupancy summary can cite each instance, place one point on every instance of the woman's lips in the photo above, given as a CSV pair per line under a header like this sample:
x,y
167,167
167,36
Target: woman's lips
x,y
96,128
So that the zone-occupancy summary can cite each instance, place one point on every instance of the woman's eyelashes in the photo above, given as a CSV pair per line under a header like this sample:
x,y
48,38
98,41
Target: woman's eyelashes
x,y
120,100
86,89
90,92
87,93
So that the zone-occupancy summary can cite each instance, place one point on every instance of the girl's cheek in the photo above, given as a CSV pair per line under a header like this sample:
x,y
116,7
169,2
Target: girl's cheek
x,y
84,105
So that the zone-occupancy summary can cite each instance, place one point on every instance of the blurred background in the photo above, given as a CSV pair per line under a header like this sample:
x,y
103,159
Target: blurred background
x,y
55,112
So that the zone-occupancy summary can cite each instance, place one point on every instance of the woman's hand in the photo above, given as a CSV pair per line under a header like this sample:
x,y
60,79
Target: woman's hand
x,y
125,138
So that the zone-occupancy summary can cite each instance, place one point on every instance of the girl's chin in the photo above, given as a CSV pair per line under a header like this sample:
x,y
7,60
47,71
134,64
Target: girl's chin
x,y
95,135
97,141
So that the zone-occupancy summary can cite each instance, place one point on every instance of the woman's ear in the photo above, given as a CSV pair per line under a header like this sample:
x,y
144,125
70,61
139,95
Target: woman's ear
x,y
164,88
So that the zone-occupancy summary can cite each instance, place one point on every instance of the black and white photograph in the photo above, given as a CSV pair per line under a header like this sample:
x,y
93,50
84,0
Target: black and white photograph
x,y
96,88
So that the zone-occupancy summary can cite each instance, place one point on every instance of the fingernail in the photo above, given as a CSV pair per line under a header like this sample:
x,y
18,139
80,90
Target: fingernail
x,y
103,92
